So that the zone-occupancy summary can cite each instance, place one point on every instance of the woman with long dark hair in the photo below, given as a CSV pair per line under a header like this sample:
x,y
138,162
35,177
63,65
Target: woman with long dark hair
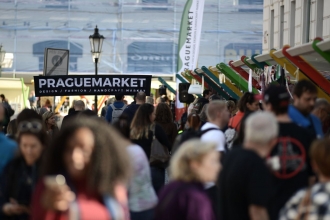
x,y
143,132
164,118
193,126
21,174
85,171
248,103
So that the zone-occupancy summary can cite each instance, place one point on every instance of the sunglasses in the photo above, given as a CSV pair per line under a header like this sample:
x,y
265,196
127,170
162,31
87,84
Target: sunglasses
x,y
33,126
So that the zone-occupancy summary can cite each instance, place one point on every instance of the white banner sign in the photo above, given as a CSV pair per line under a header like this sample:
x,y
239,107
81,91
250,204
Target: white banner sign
x,y
189,39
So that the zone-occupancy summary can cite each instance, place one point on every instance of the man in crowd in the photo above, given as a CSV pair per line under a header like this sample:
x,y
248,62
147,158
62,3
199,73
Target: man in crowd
x,y
245,181
304,97
78,106
289,159
131,109
8,112
7,146
218,117
202,101
322,111
116,109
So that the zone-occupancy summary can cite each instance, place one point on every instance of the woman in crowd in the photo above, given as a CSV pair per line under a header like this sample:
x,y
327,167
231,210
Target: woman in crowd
x,y
143,132
84,174
203,115
49,119
12,129
164,118
142,198
21,174
231,107
194,164
247,103
239,138
192,127
313,203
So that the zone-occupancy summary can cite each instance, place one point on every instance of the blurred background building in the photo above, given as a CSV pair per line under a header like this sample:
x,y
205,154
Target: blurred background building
x,y
141,35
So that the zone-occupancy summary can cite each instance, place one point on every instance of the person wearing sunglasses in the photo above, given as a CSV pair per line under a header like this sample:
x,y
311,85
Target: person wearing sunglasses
x,y
49,119
19,177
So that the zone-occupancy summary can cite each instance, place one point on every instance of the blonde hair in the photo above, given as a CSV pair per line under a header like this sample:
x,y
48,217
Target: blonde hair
x,y
189,151
213,108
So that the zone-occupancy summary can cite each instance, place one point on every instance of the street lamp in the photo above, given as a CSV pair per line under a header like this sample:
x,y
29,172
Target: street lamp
x,y
96,48
2,58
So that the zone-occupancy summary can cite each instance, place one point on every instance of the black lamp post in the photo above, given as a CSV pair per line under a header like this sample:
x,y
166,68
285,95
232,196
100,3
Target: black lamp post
x,y
96,48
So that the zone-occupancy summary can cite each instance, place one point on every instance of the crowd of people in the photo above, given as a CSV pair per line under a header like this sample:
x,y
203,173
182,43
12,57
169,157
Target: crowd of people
x,y
261,157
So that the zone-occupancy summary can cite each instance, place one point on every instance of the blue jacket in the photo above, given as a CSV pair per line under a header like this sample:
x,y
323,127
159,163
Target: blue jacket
x,y
130,112
305,122
8,148
108,116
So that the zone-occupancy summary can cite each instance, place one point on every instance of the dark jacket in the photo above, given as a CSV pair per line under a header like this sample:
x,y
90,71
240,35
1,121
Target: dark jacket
x,y
130,112
146,143
69,117
184,201
17,181
203,100
171,131
104,111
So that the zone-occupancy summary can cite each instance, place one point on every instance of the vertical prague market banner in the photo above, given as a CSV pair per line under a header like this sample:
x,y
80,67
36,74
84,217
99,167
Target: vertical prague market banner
x,y
189,38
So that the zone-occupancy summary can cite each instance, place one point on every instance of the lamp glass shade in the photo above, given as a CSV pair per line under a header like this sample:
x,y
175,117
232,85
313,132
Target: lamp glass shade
x,y
96,41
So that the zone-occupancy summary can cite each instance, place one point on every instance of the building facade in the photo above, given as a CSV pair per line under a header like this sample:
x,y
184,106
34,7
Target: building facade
x,y
294,22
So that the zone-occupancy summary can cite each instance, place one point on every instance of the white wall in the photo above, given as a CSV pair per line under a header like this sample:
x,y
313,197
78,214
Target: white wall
x,y
294,22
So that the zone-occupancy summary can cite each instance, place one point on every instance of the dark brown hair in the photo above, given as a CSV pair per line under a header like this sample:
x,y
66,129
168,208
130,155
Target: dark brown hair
x,y
303,86
194,121
248,97
40,135
163,114
109,162
141,122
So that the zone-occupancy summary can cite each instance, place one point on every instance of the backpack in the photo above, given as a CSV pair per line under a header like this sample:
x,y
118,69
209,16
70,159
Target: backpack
x,y
116,112
231,134
188,135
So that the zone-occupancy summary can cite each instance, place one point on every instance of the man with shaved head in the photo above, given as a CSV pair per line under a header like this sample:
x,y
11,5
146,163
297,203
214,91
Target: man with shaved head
x,y
7,146
131,109
218,117
78,106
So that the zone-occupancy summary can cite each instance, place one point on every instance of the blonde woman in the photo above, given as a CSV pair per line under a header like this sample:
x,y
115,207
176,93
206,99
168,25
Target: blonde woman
x,y
193,165
49,119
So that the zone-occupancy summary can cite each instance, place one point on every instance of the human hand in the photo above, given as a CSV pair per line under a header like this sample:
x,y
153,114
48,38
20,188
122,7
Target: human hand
x,y
57,195
13,208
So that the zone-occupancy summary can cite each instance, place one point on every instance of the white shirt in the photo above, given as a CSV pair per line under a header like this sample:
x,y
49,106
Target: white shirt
x,y
215,136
